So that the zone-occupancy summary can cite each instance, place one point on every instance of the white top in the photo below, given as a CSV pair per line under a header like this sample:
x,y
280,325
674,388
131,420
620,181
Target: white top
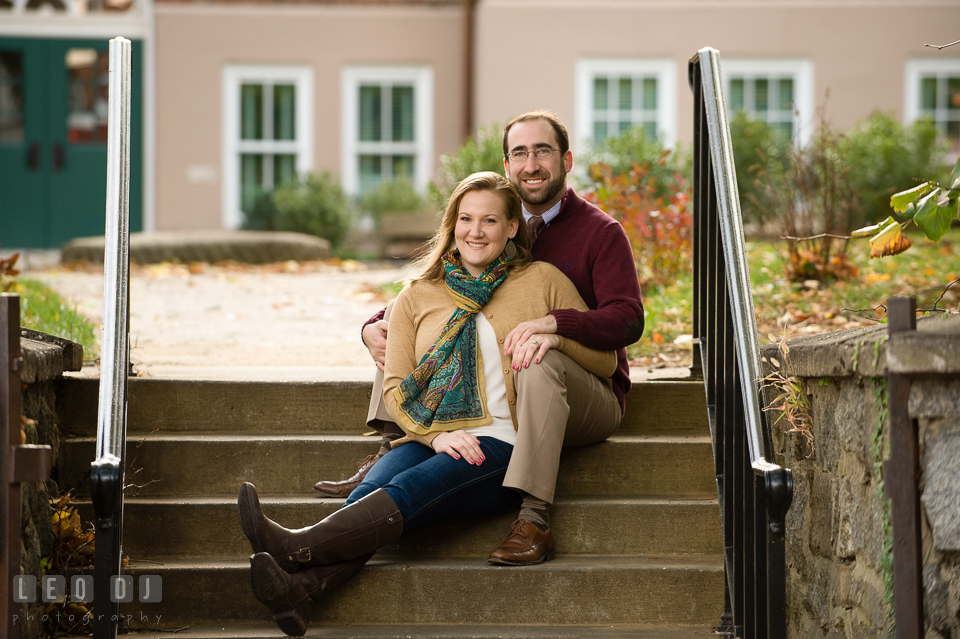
x,y
495,387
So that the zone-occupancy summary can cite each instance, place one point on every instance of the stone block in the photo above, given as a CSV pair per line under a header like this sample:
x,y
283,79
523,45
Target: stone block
x,y
935,397
941,494
823,515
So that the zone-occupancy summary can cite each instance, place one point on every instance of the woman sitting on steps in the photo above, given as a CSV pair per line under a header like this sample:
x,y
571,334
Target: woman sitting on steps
x,y
450,387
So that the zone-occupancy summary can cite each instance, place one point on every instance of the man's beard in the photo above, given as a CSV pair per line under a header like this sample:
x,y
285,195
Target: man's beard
x,y
555,185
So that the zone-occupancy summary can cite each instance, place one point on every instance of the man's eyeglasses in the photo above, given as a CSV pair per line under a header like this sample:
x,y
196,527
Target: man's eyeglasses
x,y
541,153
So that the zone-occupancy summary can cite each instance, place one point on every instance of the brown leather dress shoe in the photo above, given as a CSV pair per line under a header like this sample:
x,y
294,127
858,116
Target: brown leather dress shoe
x,y
526,545
345,487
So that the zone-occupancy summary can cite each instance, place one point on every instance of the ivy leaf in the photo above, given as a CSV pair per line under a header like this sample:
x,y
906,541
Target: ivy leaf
x,y
889,241
933,218
900,201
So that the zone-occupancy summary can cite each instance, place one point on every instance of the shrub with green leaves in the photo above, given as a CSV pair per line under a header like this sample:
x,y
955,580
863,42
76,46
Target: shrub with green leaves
x,y
315,205
759,149
481,152
634,146
886,157
392,196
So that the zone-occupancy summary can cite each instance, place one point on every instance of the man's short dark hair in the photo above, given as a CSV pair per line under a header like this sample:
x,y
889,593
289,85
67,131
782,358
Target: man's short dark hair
x,y
547,116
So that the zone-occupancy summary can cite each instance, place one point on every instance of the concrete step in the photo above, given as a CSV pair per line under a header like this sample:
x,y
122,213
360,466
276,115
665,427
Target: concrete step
x,y
216,464
254,630
335,407
209,527
570,590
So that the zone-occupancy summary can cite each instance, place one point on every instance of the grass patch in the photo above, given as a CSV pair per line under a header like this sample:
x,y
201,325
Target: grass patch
x,y
793,309
42,309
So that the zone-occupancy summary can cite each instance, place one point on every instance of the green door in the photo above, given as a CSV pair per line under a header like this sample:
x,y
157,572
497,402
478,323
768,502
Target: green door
x,y
53,140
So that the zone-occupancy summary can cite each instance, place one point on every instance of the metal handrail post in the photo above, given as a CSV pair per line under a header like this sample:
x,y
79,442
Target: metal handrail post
x,y
106,472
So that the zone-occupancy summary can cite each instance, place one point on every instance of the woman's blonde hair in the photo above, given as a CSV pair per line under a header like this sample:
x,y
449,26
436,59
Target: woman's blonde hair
x,y
429,266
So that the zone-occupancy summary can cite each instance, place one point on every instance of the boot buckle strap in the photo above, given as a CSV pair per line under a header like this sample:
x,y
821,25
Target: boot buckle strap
x,y
302,555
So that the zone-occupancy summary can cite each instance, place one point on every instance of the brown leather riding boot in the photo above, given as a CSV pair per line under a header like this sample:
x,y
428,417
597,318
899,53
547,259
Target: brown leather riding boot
x,y
290,597
354,530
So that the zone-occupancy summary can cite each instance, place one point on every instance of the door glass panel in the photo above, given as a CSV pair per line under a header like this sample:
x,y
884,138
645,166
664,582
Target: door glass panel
x,y
649,94
761,94
736,94
600,93
87,100
626,94
11,97
786,94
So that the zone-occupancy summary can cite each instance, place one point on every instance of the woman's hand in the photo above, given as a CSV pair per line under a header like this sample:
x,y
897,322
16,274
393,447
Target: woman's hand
x,y
525,330
457,443
533,350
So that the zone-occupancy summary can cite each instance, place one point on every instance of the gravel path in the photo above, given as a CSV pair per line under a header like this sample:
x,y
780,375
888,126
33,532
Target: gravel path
x,y
281,316
279,321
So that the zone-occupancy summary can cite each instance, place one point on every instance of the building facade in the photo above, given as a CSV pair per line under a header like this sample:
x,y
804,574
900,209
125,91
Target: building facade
x,y
239,96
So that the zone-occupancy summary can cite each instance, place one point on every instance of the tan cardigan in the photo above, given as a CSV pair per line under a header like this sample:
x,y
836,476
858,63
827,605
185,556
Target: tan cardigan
x,y
423,308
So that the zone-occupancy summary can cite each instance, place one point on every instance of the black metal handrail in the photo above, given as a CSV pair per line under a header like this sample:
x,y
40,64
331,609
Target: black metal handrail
x,y
754,493
106,471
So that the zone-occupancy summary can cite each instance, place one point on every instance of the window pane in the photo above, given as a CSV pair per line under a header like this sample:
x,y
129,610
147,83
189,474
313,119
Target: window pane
x,y
785,92
786,127
402,166
371,172
11,97
650,94
928,93
626,94
371,119
623,126
953,135
600,93
284,112
87,100
251,180
284,169
736,94
650,129
251,112
953,93
403,114
761,102
599,131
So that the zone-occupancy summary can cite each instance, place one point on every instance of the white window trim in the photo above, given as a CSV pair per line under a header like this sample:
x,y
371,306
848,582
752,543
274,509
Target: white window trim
x,y
804,120
233,79
665,71
421,147
917,68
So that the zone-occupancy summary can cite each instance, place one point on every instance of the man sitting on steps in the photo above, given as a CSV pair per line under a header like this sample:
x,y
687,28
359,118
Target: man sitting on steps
x,y
591,249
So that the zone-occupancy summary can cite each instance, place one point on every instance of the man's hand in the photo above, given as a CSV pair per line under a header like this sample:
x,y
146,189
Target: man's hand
x,y
458,442
525,330
375,339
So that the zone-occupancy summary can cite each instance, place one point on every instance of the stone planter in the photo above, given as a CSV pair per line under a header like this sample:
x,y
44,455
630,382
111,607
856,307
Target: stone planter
x,y
403,233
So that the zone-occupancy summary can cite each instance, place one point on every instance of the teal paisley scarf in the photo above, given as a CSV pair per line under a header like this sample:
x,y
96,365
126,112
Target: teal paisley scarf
x,y
445,392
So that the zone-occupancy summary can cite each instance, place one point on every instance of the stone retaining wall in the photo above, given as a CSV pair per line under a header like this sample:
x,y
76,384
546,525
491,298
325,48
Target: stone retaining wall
x,y
45,358
839,558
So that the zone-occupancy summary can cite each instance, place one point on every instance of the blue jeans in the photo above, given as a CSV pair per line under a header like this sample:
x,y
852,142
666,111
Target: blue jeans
x,y
430,487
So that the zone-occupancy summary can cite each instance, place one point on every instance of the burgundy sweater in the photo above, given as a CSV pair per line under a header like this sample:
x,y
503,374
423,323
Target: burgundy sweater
x,y
591,248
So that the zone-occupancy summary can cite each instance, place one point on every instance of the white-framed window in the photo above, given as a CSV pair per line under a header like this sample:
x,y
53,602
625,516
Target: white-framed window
x,y
267,133
933,91
615,95
387,126
779,92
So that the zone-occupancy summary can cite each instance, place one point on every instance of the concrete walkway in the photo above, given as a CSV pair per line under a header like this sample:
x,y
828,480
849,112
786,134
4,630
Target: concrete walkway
x,y
291,320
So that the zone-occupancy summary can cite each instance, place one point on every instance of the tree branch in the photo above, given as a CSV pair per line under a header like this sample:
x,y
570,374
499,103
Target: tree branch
x,y
941,46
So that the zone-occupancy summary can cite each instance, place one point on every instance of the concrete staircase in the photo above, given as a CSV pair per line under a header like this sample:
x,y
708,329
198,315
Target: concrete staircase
x,y
636,519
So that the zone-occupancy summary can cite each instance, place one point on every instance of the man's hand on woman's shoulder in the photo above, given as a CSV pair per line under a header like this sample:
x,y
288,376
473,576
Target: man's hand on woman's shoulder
x,y
375,339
